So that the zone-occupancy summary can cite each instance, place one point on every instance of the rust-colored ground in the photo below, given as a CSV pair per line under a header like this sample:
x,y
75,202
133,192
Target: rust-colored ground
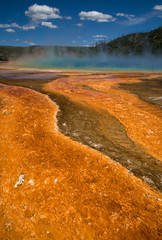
x,y
71,191
142,121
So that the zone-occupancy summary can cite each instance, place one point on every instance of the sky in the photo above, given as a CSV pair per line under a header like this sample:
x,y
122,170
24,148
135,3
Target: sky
x,y
74,22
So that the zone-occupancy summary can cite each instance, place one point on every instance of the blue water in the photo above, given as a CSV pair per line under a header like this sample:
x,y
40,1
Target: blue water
x,y
132,63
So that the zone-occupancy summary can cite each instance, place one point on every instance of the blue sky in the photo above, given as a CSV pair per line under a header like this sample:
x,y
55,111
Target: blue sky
x,y
74,23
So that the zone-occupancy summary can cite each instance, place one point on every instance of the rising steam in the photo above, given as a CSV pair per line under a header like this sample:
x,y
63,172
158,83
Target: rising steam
x,y
100,61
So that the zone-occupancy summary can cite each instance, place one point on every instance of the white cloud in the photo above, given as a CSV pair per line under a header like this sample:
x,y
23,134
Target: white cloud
x,y
99,36
29,43
48,24
17,39
9,25
27,28
4,25
96,16
131,19
42,12
79,24
15,25
68,17
10,30
125,15
99,39
158,7
134,21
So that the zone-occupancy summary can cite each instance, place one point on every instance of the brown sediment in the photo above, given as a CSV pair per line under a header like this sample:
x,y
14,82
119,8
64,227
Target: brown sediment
x,y
69,191
149,90
142,121
101,131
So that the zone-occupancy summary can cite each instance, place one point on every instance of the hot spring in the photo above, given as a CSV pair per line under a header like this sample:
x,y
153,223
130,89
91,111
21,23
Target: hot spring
x,y
145,62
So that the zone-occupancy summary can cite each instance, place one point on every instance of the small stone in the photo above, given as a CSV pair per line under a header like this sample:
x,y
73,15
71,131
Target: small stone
x,y
56,180
20,181
147,180
75,134
130,172
31,182
98,146
5,112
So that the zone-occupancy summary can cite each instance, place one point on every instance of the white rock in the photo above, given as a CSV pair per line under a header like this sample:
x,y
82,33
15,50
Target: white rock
x,y
5,112
20,181
31,182
56,180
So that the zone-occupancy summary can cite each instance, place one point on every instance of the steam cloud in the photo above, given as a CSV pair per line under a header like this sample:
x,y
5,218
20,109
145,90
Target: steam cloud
x,y
102,61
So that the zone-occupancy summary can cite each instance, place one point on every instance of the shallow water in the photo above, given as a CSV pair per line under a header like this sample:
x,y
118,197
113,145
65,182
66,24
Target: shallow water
x,y
31,76
149,90
101,62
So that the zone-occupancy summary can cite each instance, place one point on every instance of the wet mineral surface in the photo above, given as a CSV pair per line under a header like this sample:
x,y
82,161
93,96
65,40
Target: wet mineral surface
x,y
80,156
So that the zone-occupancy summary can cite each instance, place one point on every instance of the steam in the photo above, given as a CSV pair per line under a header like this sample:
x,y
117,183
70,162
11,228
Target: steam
x,y
101,61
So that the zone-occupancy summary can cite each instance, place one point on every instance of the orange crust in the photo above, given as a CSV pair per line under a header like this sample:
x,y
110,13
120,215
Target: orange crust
x,y
70,191
142,120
